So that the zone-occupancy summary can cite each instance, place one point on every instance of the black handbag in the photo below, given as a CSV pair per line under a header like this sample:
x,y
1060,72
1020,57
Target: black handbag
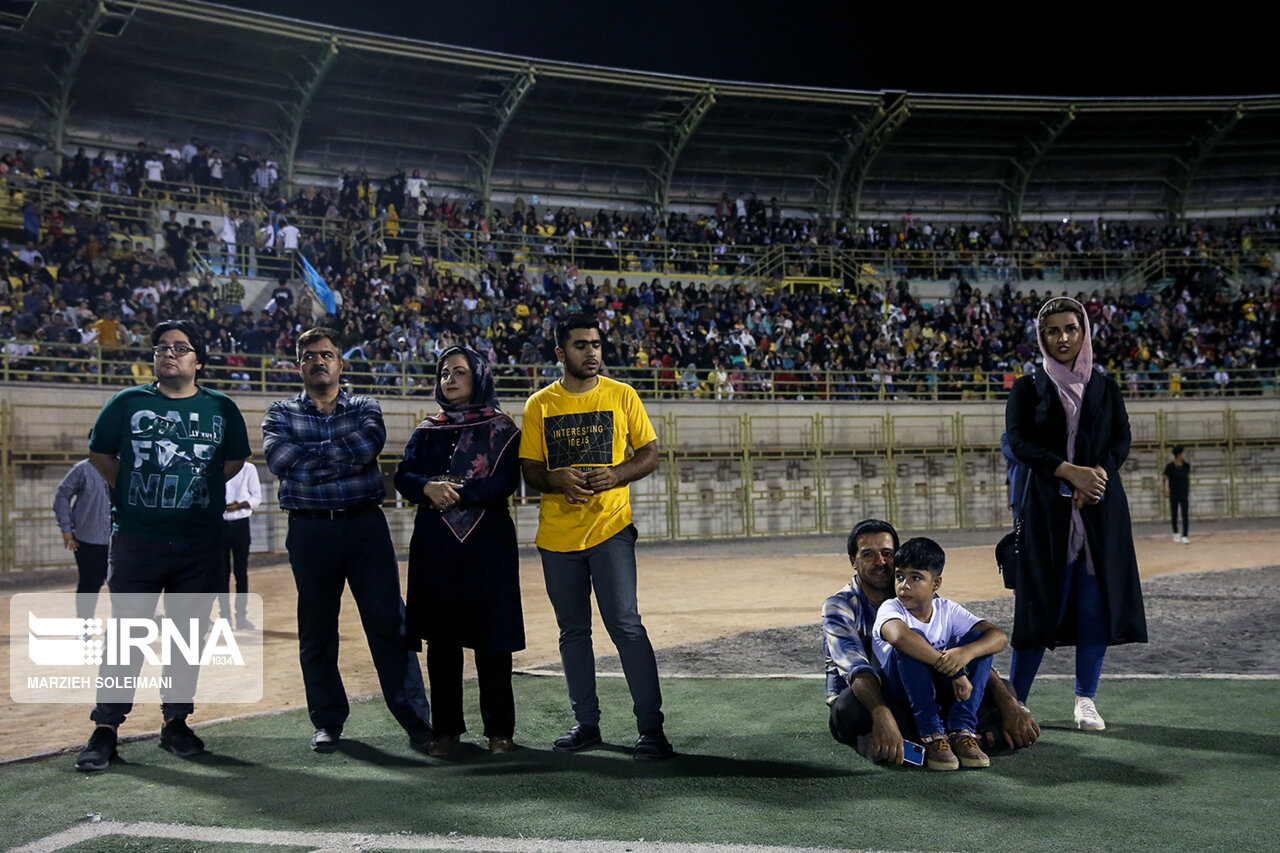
x,y
1008,552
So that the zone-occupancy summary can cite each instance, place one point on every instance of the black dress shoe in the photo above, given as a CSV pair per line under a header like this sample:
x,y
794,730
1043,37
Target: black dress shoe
x,y
578,738
653,747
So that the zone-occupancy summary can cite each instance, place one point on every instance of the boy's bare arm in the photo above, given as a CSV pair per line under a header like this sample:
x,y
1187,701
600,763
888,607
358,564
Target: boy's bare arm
x,y
955,659
896,633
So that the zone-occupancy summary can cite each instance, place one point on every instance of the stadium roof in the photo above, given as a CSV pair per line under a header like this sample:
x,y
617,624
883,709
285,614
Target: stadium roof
x,y
490,124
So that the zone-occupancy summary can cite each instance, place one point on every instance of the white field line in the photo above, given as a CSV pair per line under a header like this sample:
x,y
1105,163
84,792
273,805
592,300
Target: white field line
x,y
817,676
351,842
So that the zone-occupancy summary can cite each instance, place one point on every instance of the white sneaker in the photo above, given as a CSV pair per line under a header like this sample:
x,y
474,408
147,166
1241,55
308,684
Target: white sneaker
x,y
1087,716
1177,538
1185,541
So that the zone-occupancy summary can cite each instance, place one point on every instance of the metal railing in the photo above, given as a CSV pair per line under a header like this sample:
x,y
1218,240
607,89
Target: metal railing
x,y
92,364
745,474
634,257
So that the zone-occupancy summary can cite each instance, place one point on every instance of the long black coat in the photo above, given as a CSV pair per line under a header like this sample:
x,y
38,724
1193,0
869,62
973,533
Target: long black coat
x,y
465,592
1036,424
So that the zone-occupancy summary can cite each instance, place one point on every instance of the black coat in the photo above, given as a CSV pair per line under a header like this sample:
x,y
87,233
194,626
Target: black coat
x,y
1036,424
465,592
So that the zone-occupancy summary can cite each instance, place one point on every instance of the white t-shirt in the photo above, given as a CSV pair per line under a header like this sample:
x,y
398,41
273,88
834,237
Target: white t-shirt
x,y
289,237
155,169
950,621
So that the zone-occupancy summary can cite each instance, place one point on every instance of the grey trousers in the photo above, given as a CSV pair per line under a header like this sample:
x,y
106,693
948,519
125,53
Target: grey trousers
x,y
610,569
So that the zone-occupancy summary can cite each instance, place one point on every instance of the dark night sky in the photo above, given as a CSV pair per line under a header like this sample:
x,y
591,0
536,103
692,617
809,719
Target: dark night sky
x,y
1072,48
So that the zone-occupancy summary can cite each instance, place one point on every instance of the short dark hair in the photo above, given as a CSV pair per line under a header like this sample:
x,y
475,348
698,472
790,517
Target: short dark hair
x,y
870,525
319,333
1177,450
921,553
569,322
188,328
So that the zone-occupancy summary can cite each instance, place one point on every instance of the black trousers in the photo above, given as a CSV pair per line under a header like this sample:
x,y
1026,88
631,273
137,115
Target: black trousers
x,y
91,561
326,555
1176,503
497,703
849,719
235,561
151,566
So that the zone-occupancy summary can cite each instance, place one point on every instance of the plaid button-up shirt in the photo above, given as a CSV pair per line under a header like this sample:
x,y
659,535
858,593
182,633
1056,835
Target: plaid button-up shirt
x,y
847,619
325,462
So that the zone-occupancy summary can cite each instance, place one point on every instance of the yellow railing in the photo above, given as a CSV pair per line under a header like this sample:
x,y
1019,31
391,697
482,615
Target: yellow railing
x,y
751,473
639,258
91,364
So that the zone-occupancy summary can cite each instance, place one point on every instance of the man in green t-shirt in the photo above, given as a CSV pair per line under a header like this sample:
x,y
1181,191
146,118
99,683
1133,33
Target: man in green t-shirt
x,y
166,450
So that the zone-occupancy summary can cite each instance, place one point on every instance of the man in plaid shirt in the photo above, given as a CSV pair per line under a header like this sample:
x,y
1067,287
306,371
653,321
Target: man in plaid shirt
x,y
323,445
861,714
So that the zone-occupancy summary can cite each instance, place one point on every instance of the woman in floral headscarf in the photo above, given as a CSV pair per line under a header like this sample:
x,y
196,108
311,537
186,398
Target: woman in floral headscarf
x,y
460,466
1077,575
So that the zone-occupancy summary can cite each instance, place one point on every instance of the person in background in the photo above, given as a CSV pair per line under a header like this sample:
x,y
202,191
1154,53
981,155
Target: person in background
x,y
244,495
82,506
1177,490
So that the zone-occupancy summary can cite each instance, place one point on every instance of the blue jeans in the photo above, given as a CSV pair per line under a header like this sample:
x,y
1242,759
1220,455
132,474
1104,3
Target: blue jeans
x,y
609,568
1091,637
928,691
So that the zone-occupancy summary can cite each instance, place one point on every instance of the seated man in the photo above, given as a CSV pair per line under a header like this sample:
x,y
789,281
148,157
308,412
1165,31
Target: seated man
x,y
862,715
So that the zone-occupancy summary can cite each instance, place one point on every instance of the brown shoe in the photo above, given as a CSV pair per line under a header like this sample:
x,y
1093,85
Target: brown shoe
x,y
502,744
965,747
938,754
444,745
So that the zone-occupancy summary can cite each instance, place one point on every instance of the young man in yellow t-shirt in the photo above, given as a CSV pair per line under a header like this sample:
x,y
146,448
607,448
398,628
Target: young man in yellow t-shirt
x,y
573,448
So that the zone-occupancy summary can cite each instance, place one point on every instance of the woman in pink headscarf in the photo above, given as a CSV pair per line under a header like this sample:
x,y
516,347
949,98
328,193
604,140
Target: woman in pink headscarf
x,y
1077,575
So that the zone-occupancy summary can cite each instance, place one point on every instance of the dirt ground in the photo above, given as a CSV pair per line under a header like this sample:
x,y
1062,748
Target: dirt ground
x,y
730,607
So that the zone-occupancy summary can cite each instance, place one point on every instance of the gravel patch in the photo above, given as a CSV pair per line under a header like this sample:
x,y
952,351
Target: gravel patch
x,y
1204,623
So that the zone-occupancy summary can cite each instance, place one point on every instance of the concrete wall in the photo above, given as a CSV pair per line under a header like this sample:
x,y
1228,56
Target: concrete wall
x,y
743,468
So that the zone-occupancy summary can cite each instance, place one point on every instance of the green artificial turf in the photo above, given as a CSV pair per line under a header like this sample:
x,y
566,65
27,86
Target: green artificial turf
x,y
1184,764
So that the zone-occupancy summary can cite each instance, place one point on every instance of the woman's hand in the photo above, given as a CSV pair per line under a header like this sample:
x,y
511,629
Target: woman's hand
x,y
1090,484
442,495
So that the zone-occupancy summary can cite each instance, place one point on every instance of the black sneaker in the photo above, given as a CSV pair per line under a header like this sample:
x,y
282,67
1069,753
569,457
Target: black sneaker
x,y
99,752
176,737
653,747
243,624
325,741
577,738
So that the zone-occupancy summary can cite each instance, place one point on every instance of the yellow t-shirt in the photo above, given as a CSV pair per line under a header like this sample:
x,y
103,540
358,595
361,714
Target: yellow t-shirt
x,y
589,430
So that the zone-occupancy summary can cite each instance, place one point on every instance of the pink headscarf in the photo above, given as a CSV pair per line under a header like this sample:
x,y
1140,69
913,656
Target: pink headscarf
x,y
1070,382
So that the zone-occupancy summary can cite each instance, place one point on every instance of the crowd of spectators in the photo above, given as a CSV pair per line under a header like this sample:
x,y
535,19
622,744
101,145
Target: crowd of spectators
x,y
679,337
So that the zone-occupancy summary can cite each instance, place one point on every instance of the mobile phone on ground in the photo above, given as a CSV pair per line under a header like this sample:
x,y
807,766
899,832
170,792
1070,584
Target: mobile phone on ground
x,y
912,753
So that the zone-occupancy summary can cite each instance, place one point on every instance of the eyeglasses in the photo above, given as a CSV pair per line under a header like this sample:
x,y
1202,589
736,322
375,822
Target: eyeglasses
x,y
177,349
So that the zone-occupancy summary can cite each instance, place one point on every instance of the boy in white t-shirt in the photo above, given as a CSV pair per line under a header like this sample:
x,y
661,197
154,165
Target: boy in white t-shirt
x,y
935,654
